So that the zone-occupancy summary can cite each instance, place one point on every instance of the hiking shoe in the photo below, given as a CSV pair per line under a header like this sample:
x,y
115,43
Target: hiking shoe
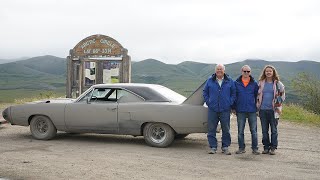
x,y
240,151
226,152
266,151
272,152
212,151
255,152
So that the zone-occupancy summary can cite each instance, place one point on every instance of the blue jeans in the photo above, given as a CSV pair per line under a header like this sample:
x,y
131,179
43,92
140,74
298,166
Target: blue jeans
x,y
268,120
213,119
252,119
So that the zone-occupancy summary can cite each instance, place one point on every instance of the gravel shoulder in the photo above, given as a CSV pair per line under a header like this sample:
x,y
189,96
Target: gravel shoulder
x,y
91,156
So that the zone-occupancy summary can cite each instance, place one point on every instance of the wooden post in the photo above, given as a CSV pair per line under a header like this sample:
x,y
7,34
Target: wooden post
x,y
126,67
69,78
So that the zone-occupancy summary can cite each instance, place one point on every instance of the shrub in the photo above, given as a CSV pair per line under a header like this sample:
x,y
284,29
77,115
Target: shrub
x,y
307,87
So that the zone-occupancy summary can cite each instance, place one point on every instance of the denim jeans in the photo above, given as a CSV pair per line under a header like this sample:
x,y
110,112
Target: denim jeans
x,y
268,120
213,119
252,120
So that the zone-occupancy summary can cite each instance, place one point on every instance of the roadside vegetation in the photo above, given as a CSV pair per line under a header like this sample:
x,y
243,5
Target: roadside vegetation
x,y
307,87
13,95
297,114
35,96
40,96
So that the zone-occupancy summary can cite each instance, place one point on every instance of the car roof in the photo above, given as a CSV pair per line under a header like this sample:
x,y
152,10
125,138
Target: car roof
x,y
122,85
144,90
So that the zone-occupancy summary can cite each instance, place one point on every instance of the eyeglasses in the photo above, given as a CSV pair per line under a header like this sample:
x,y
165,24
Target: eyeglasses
x,y
246,71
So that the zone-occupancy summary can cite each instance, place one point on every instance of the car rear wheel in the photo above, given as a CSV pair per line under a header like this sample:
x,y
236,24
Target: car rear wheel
x,y
42,128
158,134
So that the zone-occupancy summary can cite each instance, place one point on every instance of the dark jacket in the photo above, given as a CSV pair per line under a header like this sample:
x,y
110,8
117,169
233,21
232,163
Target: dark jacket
x,y
246,96
219,99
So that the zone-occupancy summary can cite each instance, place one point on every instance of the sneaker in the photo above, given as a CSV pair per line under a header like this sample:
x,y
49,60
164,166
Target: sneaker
x,y
255,152
240,151
213,151
226,152
266,151
272,152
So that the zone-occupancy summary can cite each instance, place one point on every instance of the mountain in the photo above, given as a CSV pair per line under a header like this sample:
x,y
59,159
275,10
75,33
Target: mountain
x,y
44,72
49,73
3,61
187,76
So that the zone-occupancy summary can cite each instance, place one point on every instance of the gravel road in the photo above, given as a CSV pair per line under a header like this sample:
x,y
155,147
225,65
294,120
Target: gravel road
x,y
90,156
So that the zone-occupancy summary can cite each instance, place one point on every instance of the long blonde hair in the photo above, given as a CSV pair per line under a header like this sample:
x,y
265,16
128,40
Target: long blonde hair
x,y
275,73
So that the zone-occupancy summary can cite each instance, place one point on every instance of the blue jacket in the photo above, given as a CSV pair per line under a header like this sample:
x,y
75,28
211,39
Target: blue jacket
x,y
219,99
246,96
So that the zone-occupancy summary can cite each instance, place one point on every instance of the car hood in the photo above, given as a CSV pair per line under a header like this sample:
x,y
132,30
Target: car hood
x,y
57,100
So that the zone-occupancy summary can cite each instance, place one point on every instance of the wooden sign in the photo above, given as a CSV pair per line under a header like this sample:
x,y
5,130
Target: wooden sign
x,y
98,45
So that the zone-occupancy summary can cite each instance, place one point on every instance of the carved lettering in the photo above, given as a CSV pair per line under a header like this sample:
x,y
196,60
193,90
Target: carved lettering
x,y
87,43
95,51
109,43
107,51
87,51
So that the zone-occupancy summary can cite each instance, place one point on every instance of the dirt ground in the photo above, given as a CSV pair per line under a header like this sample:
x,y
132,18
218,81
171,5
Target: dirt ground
x,y
90,156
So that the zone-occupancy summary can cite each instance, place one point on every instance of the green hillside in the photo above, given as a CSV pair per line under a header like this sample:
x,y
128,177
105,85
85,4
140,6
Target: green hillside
x,y
31,77
48,73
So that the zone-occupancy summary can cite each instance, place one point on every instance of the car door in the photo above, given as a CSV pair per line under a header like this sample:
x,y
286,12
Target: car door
x,y
130,106
96,112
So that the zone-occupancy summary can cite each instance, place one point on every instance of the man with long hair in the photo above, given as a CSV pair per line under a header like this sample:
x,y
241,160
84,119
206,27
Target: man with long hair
x,y
271,94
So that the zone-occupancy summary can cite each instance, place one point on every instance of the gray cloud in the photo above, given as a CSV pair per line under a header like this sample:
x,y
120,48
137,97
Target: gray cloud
x,y
171,31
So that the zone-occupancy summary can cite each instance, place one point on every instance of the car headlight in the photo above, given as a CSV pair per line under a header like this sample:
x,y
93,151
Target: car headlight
x,y
6,114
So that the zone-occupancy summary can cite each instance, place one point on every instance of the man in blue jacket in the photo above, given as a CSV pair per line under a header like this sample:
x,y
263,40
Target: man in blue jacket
x,y
219,94
245,105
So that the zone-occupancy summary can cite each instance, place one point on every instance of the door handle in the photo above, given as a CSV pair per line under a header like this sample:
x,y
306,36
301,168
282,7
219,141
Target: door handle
x,y
111,109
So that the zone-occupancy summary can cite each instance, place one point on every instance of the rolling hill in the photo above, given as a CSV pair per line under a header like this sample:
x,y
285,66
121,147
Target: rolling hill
x,y
49,73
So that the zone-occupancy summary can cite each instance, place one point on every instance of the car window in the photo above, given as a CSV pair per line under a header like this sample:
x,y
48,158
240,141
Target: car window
x,y
100,93
103,95
124,96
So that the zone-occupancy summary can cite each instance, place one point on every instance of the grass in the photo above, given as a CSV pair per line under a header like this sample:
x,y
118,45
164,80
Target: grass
x,y
295,113
33,96
16,95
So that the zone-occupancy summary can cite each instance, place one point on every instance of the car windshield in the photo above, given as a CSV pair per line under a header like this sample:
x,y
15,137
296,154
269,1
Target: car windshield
x,y
169,94
84,96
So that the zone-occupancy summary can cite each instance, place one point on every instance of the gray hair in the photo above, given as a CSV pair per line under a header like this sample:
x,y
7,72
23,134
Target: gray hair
x,y
224,68
247,66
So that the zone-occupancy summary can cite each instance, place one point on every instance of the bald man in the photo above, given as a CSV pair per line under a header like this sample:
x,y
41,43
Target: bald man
x,y
219,94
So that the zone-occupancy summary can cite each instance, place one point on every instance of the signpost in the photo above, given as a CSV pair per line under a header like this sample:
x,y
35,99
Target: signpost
x,y
96,59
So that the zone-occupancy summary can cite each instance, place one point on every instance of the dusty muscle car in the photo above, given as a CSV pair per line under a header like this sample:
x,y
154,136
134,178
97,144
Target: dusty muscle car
x,y
153,111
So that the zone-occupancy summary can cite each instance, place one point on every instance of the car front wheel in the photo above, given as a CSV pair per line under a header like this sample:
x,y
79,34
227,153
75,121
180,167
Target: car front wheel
x,y
42,128
158,134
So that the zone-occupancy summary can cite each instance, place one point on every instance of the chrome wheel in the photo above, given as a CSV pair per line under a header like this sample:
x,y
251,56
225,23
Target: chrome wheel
x,y
158,134
42,128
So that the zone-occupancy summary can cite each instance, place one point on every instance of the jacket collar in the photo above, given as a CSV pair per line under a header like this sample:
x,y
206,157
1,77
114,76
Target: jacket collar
x,y
240,79
225,77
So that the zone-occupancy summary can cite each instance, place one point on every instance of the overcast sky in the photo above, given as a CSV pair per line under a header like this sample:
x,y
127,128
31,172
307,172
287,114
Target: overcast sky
x,y
172,31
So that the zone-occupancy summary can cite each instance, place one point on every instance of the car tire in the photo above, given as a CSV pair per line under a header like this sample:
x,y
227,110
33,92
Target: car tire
x,y
42,128
158,134
180,136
